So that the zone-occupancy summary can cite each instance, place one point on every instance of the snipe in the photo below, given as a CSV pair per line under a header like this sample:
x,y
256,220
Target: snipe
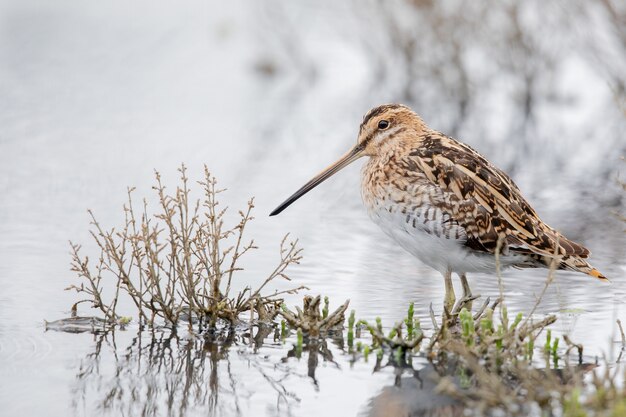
x,y
446,204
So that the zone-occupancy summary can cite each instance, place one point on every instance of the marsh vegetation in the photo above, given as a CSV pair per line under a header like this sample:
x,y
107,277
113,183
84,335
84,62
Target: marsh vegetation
x,y
177,265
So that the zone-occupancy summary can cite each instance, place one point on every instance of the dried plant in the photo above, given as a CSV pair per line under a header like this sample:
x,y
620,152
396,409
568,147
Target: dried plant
x,y
178,263
488,363
310,320
521,388
489,366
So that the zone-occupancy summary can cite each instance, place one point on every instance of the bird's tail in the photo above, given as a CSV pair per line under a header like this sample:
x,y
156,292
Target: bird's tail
x,y
578,264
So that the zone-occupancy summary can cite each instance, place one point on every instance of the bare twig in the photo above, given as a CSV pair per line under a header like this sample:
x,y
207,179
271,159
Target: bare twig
x,y
174,260
621,331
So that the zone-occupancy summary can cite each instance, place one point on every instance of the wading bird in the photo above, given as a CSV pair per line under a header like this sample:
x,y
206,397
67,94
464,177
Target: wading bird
x,y
446,204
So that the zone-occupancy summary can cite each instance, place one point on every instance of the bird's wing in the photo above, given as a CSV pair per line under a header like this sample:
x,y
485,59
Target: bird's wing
x,y
485,201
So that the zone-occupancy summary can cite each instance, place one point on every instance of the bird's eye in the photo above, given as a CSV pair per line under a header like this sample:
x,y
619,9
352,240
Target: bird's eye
x,y
383,124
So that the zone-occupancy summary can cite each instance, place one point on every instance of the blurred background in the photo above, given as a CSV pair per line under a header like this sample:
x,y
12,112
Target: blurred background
x,y
96,95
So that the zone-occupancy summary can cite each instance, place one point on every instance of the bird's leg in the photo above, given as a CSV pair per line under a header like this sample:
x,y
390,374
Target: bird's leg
x,y
449,298
467,292
466,301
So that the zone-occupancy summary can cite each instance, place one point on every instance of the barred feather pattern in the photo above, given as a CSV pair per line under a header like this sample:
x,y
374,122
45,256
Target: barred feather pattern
x,y
446,189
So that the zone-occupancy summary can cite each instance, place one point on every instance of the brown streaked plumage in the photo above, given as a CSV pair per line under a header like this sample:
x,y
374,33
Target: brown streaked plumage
x,y
445,203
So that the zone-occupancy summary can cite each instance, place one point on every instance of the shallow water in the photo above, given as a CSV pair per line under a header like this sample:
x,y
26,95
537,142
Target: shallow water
x,y
93,98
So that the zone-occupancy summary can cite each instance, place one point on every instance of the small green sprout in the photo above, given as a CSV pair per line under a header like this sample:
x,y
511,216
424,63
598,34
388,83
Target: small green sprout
x,y
392,333
379,324
486,323
409,321
517,321
299,343
546,347
555,352
467,326
351,321
123,321
325,309
500,334
505,317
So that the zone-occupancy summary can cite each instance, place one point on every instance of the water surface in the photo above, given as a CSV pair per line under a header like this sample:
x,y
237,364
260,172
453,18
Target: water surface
x,y
94,97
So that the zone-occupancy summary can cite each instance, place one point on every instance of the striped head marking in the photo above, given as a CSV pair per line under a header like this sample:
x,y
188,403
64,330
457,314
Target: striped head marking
x,y
384,123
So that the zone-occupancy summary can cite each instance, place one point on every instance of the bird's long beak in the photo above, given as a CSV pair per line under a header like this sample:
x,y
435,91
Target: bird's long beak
x,y
344,161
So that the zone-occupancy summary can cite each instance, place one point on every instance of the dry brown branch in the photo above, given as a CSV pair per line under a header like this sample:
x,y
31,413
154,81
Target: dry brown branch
x,y
621,332
310,318
179,262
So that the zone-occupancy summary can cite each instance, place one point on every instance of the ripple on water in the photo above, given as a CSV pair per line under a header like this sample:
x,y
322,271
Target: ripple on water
x,y
25,348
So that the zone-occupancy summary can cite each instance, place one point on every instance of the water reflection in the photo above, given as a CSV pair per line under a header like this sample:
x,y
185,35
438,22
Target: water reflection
x,y
162,373
415,396
414,389
314,350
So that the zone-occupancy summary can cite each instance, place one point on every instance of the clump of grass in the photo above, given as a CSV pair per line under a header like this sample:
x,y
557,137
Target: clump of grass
x,y
495,362
179,263
485,361
489,368
310,320
400,342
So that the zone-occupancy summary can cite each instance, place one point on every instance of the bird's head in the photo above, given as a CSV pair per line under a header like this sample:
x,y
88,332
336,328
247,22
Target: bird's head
x,y
382,127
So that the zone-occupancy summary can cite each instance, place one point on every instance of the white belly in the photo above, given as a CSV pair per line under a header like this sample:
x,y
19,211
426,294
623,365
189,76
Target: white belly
x,y
443,248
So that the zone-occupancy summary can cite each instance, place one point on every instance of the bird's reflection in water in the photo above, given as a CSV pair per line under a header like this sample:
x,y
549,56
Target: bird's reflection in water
x,y
413,393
